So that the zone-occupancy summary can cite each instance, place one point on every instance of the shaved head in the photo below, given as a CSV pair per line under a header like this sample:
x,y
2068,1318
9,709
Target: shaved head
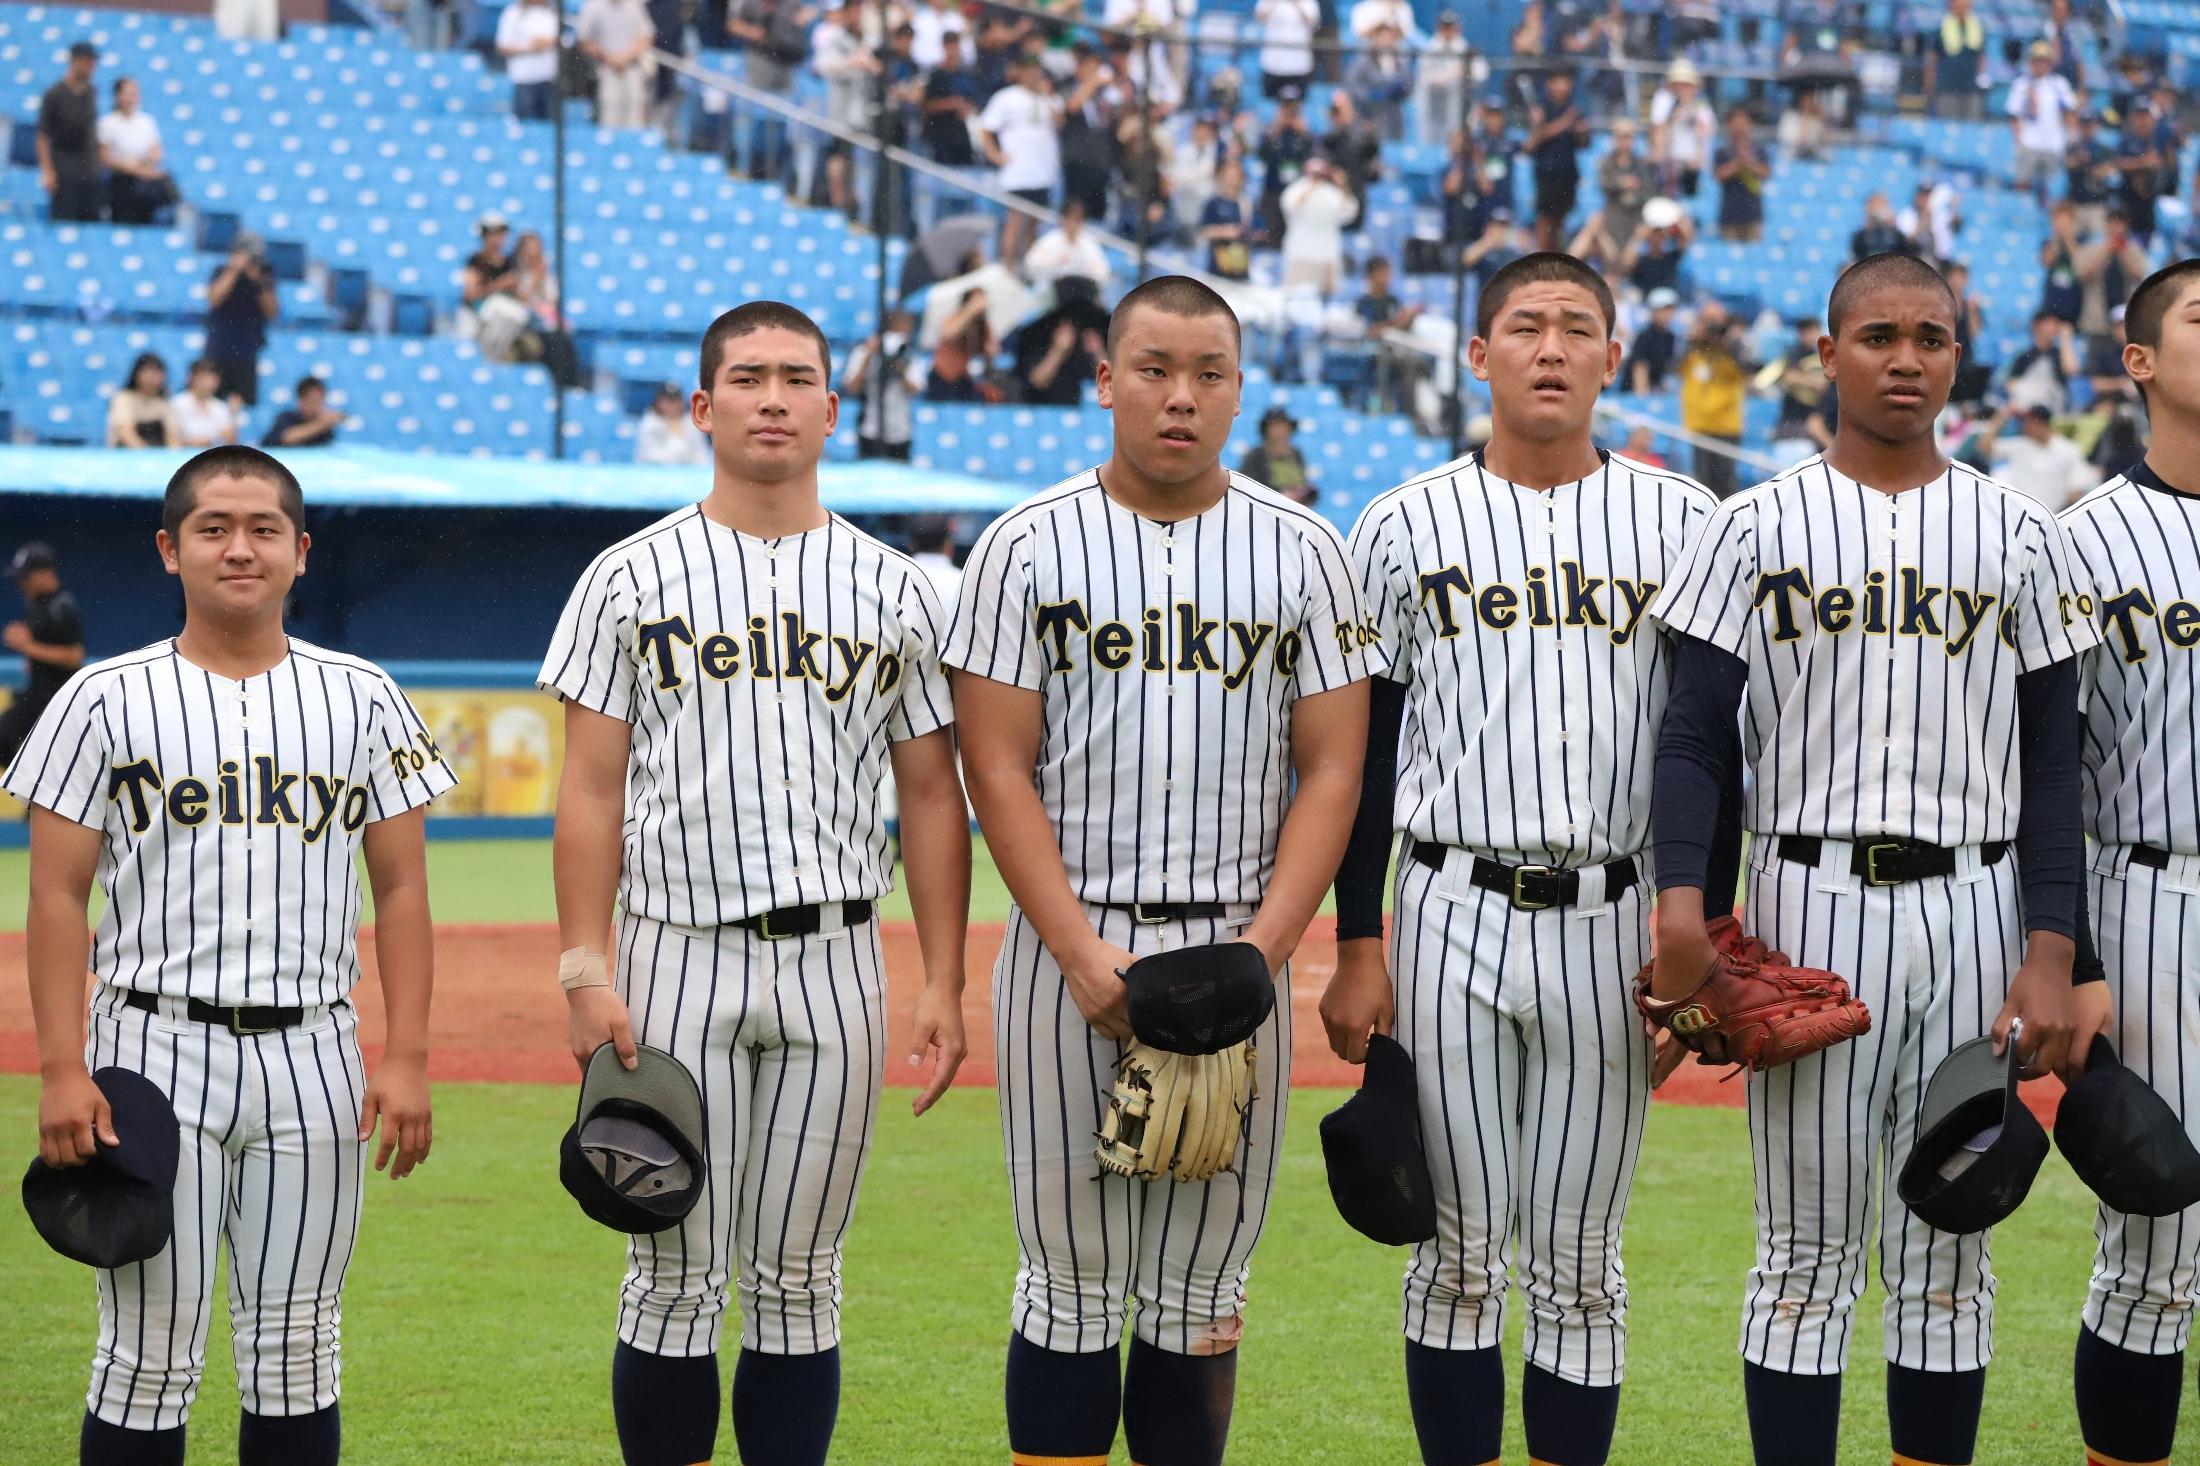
x,y
1881,272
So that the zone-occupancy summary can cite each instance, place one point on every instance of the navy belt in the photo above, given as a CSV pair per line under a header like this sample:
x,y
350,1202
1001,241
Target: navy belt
x,y
1890,862
802,921
1532,887
242,1021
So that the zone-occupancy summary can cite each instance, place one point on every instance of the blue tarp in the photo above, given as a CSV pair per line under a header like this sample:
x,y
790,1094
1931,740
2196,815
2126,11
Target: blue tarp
x,y
379,478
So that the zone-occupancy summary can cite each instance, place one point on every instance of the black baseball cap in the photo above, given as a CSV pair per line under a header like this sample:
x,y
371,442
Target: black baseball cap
x,y
33,556
1978,1147
79,50
1199,1000
118,1207
2124,1140
634,1157
1371,1145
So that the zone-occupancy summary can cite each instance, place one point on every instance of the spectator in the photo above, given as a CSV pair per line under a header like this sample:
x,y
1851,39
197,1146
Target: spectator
x,y
527,39
1192,170
1880,235
247,20
668,24
1090,115
1972,375
667,431
2039,376
1802,133
1001,36
138,186
1380,78
617,36
2128,92
2041,105
883,376
2109,269
240,300
2143,166
1354,149
493,314
544,337
1067,249
1499,245
1448,67
1682,126
1057,354
139,414
2062,294
1660,247
1742,170
932,23
1316,209
1932,220
309,421
1531,37
1225,225
950,103
1807,407
2104,365
963,362
1642,447
1557,133
68,141
1712,386
1287,30
850,70
1276,460
1021,127
2038,461
1657,347
201,418
775,43
1955,57
1370,16
1285,150
1142,182
1400,366
1624,181
2089,168
2065,55
50,638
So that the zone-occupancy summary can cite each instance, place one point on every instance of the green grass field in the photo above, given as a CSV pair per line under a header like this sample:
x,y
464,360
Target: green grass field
x,y
477,1322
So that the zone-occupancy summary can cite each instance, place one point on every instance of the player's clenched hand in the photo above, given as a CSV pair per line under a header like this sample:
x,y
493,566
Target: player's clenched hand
x,y
939,1028
71,1112
397,1098
1358,1000
1684,954
2040,995
1094,974
596,1016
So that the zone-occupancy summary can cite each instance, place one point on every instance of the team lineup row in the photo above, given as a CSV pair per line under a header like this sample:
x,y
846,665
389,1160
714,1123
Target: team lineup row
x,y
1559,684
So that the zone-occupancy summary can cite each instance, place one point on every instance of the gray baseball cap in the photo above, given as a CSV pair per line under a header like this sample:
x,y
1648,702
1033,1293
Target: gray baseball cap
x,y
634,1157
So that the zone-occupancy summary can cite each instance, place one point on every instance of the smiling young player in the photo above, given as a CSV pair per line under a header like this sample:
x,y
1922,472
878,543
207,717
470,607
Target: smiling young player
x,y
1901,636
220,787
737,678
1510,592
1159,686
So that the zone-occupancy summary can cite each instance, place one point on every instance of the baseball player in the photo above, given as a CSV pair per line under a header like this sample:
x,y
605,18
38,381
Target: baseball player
x,y
1158,682
736,679
1510,591
50,638
1899,635
220,786
2138,537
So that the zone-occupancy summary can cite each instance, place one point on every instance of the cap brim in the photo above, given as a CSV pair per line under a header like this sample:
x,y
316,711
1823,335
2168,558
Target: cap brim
x,y
657,1082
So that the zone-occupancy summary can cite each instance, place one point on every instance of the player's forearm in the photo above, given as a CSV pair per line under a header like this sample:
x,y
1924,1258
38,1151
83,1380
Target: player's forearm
x,y
59,951
404,950
584,864
935,845
1021,840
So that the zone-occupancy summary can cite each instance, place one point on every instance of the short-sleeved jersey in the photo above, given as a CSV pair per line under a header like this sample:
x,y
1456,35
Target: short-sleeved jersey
x,y
2139,542
764,680
231,814
1884,635
1169,656
1518,620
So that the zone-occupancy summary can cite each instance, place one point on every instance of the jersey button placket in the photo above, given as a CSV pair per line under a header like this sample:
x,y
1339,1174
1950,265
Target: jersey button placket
x,y
1163,726
1901,753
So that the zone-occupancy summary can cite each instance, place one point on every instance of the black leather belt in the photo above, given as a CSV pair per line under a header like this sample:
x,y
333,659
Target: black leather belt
x,y
802,921
1890,862
1154,913
2153,857
244,1021
1532,887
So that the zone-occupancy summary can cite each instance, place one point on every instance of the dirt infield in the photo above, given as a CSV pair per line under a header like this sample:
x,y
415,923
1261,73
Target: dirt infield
x,y
498,1015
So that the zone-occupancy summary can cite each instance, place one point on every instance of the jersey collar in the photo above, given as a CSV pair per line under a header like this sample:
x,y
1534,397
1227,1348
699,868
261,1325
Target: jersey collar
x,y
2142,473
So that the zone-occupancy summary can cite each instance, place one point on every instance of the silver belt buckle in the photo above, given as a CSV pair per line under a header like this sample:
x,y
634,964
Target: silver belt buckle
x,y
1139,916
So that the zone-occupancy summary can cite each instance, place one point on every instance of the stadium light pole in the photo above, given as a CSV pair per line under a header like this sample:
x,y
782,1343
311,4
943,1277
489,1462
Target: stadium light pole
x,y
1458,350
557,226
886,206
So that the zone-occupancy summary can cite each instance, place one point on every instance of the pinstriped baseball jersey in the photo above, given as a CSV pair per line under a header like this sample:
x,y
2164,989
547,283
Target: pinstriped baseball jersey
x,y
2141,547
1169,656
231,813
764,680
1517,618
1884,635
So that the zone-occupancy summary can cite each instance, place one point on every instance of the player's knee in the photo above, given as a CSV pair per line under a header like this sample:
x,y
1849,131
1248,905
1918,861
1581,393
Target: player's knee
x,y
1177,1333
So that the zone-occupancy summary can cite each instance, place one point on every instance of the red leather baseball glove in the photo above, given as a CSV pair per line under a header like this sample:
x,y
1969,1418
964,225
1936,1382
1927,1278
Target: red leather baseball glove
x,y
1754,1008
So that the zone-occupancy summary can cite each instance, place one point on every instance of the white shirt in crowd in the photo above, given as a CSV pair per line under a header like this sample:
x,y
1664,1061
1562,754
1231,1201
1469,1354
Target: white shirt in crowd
x,y
1369,14
1287,26
523,24
932,25
1688,130
2053,472
1055,254
1938,227
130,138
1029,129
1157,14
2042,106
659,440
203,424
1315,212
